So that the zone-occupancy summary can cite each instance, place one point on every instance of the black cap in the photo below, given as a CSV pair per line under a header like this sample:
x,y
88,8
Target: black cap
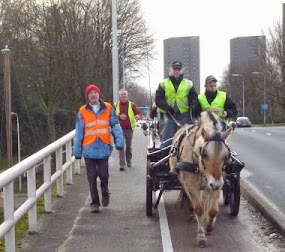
x,y
177,64
210,78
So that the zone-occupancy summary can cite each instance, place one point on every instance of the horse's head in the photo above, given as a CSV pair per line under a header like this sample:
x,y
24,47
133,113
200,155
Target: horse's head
x,y
212,152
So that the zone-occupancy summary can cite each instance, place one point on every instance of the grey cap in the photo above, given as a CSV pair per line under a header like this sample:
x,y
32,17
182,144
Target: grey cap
x,y
210,78
177,64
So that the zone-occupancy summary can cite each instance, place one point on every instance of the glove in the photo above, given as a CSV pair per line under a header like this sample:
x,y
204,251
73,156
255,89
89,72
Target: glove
x,y
170,110
119,148
77,157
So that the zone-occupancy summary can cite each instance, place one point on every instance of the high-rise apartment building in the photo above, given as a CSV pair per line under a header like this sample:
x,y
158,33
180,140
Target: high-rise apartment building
x,y
186,50
247,53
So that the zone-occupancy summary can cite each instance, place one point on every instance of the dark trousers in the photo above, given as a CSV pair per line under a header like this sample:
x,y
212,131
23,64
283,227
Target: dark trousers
x,y
167,127
95,168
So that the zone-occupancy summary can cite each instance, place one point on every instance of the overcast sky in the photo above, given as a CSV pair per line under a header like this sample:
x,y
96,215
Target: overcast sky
x,y
215,21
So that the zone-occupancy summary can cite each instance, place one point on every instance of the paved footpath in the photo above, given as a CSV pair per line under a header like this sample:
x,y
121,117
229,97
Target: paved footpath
x,y
122,226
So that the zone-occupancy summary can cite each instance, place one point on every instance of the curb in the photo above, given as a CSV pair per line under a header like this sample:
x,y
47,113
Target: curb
x,y
263,205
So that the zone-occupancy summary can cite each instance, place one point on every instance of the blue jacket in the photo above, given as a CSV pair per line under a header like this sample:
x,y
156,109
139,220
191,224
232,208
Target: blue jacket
x,y
98,149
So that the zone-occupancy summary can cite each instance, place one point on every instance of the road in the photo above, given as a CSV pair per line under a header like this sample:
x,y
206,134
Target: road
x,y
123,225
263,151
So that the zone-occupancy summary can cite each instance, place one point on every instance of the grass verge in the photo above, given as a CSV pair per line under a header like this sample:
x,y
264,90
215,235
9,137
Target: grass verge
x,y
23,225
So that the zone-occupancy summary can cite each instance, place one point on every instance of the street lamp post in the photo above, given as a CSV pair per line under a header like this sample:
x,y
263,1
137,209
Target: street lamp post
x,y
19,147
149,79
239,75
115,53
264,92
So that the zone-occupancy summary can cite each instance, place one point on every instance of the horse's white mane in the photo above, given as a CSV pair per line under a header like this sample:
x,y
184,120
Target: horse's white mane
x,y
211,121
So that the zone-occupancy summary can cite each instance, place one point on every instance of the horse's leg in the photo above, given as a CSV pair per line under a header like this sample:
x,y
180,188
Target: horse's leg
x,y
213,210
191,185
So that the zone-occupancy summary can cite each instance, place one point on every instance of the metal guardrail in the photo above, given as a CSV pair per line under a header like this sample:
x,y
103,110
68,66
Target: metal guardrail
x,y
28,165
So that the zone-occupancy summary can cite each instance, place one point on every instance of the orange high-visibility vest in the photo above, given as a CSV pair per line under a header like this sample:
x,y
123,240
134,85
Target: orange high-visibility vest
x,y
96,126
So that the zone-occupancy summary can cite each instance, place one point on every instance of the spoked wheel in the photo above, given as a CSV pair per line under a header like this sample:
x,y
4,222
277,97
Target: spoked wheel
x,y
234,197
148,191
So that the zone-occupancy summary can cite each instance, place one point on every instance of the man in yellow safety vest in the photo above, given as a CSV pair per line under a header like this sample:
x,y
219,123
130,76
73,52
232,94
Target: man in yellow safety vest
x,y
175,98
127,113
217,101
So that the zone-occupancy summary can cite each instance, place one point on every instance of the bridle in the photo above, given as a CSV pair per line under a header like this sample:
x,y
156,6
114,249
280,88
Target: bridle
x,y
216,138
188,133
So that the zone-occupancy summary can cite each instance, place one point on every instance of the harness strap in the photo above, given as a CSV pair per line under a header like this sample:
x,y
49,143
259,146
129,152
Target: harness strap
x,y
180,139
186,166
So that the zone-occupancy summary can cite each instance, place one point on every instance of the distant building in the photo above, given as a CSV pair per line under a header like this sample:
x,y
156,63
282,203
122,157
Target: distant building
x,y
186,50
247,54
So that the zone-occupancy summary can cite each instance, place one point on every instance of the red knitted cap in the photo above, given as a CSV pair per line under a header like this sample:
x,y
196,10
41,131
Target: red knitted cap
x,y
90,88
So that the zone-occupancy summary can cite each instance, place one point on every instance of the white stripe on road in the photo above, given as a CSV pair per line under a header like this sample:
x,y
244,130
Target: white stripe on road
x,y
253,130
164,228
268,134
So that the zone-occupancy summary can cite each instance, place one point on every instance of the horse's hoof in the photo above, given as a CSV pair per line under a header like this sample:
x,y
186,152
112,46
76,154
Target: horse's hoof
x,y
202,243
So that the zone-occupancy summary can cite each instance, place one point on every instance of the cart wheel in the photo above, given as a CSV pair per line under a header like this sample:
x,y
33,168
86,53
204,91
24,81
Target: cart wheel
x,y
148,191
226,195
234,198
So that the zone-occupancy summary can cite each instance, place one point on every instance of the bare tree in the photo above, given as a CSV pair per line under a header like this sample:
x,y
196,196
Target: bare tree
x,y
276,90
62,46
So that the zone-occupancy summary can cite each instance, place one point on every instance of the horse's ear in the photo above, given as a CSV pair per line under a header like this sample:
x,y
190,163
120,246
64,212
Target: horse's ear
x,y
205,134
227,133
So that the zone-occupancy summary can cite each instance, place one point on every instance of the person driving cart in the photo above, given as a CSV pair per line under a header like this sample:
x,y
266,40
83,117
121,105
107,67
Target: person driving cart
x,y
174,97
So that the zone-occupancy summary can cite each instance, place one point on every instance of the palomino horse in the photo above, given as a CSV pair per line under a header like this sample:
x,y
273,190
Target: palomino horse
x,y
202,149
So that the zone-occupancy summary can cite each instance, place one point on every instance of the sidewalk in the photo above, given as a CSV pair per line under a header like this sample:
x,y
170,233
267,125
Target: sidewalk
x,y
54,227
122,226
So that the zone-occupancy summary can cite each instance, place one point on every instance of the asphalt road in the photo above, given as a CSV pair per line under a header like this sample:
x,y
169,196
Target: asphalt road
x,y
263,151
123,225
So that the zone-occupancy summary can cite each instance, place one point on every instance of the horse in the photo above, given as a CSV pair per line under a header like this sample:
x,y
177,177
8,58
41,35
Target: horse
x,y
202,149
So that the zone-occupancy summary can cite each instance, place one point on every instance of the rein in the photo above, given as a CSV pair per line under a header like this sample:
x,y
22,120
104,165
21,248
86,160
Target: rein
x,y
177,150
174,119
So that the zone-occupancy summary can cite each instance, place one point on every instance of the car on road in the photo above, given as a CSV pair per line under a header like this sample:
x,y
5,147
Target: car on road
x,y
243,121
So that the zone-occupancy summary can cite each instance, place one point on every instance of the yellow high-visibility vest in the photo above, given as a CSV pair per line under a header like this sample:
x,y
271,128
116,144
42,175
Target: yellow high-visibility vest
x,y
180,97
218,103
131,114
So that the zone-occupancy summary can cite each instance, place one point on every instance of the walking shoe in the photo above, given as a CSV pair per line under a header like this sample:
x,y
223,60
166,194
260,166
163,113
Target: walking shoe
x,y
129,164
94,208
105,200
122,168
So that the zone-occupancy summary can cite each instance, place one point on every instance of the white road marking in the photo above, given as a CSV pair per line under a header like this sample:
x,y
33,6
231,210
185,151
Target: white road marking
x,y
268,134
253,130
245,173
164,228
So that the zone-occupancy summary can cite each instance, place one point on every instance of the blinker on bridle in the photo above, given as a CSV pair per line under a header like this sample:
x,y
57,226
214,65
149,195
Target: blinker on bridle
x,y
215,138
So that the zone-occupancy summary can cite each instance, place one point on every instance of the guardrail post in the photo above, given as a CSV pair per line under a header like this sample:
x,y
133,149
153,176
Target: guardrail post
x,y
77,166
31,179
59,182
9,216
47,180
68,158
